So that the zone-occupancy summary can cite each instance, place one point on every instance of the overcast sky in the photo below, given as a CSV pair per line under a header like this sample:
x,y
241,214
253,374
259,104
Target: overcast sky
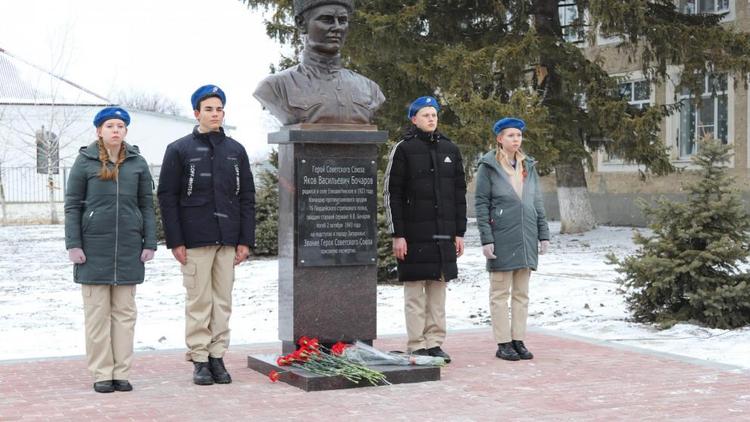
x,y
169,47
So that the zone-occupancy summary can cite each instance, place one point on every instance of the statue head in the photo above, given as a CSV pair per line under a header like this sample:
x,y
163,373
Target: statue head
x,y
324,22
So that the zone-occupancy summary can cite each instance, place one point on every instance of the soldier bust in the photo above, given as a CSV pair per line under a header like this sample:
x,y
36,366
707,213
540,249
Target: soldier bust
x,y
320,89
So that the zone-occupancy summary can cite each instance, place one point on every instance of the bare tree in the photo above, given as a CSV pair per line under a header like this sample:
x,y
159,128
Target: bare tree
x,y
148,101
44,128
4,220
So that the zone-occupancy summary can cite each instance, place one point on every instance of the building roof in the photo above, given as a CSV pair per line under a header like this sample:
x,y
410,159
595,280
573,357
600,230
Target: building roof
x,y
25,83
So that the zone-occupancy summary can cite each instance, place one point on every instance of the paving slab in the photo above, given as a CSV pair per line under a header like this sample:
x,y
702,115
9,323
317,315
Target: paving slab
x,y
570,379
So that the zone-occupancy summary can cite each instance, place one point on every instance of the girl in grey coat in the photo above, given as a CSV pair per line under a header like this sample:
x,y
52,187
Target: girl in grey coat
x,y
512,225
110,232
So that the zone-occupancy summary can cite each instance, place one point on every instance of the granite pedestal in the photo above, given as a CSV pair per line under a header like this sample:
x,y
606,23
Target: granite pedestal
x,y
328,240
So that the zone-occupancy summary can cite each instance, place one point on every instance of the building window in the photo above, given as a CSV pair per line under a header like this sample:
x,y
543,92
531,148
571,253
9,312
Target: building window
x,y
693,7
709,118
638,94
572,31
47,152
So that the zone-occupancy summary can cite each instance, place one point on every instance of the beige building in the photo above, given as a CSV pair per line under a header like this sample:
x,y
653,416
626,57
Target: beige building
x,y
614,185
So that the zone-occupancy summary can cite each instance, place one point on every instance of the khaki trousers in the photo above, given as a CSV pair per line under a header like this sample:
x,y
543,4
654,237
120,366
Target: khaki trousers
x,y
424,308
208,278
501,286
109,317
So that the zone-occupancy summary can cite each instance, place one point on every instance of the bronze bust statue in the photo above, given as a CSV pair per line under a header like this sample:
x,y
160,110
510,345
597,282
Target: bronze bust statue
x,y
320,89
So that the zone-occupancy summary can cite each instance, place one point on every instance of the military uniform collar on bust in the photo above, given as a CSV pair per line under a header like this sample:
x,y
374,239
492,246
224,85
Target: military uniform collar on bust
x,y
315,59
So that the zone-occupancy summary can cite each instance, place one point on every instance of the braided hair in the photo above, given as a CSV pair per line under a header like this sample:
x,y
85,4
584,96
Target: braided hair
x,y
107,173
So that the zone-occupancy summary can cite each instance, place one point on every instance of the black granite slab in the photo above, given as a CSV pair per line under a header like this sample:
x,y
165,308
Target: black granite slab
x,y
331,299
309,381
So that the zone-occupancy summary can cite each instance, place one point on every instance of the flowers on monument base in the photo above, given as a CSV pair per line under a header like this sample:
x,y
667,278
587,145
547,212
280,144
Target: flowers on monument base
x,y
318,359
274,376
367,355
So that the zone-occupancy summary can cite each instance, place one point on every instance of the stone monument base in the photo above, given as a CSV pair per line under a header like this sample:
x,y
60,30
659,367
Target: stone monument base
x,y
309,381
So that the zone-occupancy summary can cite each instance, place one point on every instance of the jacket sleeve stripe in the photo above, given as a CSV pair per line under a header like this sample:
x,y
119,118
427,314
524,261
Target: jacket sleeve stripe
x,y
386,191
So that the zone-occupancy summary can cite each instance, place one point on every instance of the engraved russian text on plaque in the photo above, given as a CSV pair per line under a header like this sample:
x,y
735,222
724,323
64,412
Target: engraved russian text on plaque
x,y
336,211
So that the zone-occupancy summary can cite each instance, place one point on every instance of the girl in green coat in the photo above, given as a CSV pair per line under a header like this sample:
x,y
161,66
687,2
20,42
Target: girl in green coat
x,y
512,225
110,233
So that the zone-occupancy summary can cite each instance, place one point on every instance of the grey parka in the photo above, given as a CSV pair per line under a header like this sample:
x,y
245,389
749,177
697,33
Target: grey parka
x,y
515,225
112,221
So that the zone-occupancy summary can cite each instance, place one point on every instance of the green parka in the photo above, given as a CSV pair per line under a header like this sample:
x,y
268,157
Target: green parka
x,y
112,221
515,225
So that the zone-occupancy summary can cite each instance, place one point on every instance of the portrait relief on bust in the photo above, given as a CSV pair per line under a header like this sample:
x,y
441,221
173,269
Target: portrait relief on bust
x,y
320,89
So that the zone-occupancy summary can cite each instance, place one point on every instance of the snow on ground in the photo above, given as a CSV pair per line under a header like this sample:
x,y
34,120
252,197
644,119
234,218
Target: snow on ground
x,y
574,292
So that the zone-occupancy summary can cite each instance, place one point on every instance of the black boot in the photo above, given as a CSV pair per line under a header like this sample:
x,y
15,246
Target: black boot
x,y
420,352
104,387
202,374
506,351
440,353
218,371
122,385
523,352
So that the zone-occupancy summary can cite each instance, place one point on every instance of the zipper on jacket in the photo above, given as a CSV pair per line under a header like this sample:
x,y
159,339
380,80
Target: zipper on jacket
x,y
117,221
523,231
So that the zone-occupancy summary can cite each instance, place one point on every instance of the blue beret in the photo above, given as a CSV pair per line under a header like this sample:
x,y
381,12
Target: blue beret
x,y
108,113
206,91
508,122
421,103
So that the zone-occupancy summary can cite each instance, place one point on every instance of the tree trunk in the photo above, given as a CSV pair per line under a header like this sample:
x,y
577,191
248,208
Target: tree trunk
x,y
576,214
51,198
2,199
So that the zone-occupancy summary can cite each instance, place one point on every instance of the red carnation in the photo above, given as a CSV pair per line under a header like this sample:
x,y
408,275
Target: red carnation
x,y
338,348
303,340
274,376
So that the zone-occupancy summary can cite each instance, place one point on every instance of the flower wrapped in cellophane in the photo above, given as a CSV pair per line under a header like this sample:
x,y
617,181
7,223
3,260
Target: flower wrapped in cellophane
x,y
367,355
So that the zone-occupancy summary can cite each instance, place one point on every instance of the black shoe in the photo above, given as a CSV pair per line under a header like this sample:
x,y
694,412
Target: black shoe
x,y
523,352
420,352
218,371
439,353
202,374
104,387
506,351
122,385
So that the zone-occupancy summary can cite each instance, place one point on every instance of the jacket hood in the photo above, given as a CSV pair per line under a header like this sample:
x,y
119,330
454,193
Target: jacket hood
x,y
92,150
489,160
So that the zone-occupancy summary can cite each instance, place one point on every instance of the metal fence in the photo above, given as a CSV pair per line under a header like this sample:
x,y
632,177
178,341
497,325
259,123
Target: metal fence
x,y
23,185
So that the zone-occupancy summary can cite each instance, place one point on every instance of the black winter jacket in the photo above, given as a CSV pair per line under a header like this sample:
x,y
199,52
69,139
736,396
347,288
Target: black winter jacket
x,y
206,192
425,200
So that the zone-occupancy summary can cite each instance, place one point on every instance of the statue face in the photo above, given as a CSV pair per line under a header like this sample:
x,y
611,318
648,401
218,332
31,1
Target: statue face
x,y
326,27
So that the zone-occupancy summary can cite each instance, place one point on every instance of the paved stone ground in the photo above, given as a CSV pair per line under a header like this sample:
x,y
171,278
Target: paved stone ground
x,y
569,379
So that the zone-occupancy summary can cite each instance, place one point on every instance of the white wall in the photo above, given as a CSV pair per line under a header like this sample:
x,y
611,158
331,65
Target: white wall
x,y
152,132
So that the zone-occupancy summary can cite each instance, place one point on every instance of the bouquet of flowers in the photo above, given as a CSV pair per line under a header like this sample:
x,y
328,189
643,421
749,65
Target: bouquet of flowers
x,y
367,355
316,358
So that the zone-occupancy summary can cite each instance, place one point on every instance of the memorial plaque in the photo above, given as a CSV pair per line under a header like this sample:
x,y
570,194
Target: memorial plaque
x,y
336,211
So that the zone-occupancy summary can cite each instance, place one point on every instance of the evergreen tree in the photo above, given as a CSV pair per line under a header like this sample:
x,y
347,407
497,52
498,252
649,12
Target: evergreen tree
x,y
689,269
161,237
267,209
486,59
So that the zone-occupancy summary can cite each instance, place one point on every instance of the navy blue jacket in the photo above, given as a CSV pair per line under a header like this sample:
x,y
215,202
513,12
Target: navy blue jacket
x,y
206,192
